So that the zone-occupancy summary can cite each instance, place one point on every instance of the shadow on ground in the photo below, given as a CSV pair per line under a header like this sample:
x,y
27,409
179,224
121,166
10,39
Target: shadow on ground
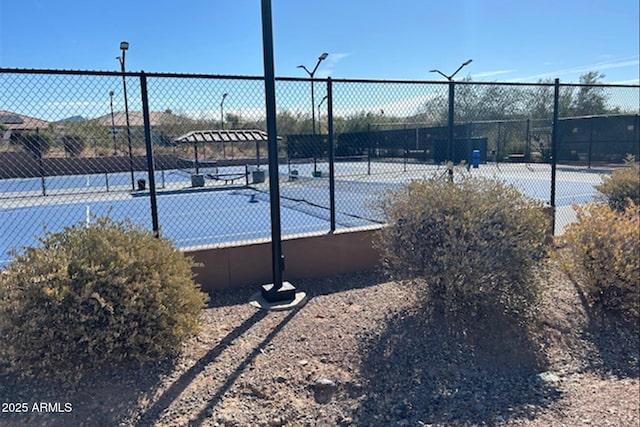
x,y
419,370
313,287
158,408
616,341
103,397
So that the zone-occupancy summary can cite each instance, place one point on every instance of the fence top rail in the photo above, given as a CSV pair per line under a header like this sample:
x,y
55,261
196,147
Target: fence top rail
x,y
258,78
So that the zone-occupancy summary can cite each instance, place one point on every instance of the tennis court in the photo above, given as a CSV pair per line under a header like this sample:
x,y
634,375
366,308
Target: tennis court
x,y
238,210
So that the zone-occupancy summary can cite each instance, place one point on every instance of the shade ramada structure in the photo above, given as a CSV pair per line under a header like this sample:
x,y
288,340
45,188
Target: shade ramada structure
x,y
223,137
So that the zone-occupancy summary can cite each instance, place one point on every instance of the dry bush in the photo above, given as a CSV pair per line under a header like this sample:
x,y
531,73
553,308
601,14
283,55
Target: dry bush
x,y
601,252
104,292
622,186
479,244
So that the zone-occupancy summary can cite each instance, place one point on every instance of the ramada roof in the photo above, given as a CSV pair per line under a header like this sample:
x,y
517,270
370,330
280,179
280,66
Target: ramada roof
x,y
220,135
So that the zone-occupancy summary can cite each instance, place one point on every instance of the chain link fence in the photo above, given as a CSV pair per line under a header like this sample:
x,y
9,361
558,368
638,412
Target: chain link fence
x,y
186,155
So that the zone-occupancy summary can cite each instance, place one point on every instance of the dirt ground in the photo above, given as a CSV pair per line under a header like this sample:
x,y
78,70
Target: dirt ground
x,y
363,351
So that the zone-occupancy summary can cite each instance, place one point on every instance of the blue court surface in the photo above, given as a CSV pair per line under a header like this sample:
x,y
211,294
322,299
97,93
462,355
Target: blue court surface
x,y
231,211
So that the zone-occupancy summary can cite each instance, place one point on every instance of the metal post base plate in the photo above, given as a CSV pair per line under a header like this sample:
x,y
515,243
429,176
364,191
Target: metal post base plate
x,y
286,293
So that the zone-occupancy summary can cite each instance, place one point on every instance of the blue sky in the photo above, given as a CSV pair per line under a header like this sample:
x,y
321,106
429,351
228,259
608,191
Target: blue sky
x,y
508,40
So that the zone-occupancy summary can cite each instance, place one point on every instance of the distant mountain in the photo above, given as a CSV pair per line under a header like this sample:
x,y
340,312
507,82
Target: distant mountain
x,y
73,119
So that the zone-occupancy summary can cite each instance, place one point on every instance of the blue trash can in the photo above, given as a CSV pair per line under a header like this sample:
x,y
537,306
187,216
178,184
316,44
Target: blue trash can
x,y
475,158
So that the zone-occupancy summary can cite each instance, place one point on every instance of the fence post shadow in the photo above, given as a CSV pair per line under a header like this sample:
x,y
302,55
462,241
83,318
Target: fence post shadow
x,y
233,376
152,414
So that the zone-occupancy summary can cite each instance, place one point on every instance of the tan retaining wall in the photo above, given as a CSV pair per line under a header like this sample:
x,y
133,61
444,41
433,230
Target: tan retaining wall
x,y
311,256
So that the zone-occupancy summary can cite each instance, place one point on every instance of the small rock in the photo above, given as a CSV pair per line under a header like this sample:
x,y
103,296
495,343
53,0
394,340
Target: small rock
x,y
303,362
323,390
345,421
325,383
276,422
547,377
257,391
281,380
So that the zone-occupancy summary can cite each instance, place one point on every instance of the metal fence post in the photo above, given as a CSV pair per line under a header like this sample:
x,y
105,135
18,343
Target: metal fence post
x,y
554,153
332,176
149,147
277,291
450,125
40,154
527,139
369,148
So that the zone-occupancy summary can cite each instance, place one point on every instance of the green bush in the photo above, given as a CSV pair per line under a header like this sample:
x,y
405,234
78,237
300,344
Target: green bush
x,y
35,143
623,185
73,145
103,292
601,252
478,244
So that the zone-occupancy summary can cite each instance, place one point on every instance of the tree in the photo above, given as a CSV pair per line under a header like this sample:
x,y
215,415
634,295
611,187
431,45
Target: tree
x,y
359,122
73,145
35,143
590,99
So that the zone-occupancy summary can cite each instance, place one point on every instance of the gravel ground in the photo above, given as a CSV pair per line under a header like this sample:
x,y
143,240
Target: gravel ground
x,y
363,351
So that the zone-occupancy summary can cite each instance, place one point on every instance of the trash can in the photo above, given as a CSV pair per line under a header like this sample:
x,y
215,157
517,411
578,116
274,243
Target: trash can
x,y
258,176
197,180
142,185
475,158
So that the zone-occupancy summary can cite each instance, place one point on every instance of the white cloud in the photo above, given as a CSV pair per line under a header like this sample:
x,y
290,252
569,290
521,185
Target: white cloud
x,y
635,81
491,73
407,106
598,66
73,104
326,69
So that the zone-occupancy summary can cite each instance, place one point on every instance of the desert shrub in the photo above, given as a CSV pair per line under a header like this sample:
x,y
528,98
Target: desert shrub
x,y
103,292
73,145
35,143
623,185
601,252
478,244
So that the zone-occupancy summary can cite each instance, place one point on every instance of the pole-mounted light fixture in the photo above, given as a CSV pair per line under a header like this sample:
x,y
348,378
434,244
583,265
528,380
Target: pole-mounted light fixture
x,y
324,98
124,46
113,124
450,78
450,119
224,96
313,105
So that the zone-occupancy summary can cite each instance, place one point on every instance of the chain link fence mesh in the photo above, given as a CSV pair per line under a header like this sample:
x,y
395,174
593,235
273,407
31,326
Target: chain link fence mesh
x,y
72,149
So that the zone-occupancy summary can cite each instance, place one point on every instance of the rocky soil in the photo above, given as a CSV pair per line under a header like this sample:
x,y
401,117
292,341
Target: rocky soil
x,y
363,351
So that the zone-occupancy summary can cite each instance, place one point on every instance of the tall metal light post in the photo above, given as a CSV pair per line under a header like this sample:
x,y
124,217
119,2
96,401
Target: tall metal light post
x,y
113,125
313,103
450,120
124,46
319,113
224,96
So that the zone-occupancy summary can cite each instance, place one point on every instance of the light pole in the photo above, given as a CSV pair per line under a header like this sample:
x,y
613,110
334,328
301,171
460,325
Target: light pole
x,y
113,125
224,96
124,46
450,120
319,113
313,105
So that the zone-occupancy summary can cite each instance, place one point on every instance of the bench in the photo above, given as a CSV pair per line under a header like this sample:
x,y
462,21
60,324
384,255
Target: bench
x,y
226,177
